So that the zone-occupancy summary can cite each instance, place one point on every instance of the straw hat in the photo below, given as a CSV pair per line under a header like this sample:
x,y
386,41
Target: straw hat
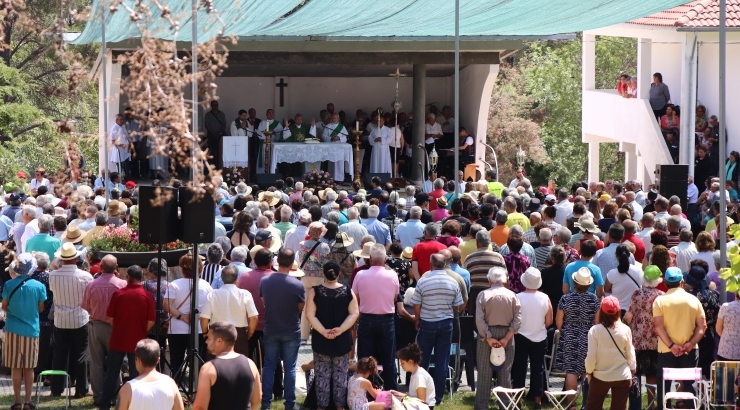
x,y
364,253
294,270
73,234
583,277
67,252
269,197
323,192
114,208
343,240
408,253
442,202
253,251
587,225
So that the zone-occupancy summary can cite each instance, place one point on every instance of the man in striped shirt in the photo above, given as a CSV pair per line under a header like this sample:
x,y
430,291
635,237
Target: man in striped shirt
x,y
478,263
436,299
70,321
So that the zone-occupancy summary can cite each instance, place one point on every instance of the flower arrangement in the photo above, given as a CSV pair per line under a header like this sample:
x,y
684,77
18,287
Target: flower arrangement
x,y
233,176
318,179
125,239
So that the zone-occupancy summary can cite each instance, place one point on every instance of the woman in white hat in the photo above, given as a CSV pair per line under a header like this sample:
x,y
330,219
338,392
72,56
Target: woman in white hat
x,y
576,314
531,341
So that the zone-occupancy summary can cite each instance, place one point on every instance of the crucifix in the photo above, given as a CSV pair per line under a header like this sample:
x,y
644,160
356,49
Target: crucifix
x,y
236,146
282,84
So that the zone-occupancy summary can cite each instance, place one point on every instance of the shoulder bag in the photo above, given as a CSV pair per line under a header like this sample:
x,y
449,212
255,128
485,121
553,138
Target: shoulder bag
x,y
308,255
20,285
165,325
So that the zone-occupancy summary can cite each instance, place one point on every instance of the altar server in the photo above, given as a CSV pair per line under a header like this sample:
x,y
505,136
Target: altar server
x,y
119,154
336,132
380,139
277,136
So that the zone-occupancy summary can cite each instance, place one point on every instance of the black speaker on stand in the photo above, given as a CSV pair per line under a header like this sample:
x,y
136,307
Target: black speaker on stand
x,y
197,217
265,181
673,179
158,222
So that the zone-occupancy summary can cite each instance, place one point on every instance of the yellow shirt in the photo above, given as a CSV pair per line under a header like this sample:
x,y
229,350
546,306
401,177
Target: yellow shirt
x,y
495,187
712,224
679,311
518,219
468,247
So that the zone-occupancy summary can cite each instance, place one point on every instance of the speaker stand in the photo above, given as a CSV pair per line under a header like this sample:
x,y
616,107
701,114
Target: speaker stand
x,y
192,361
158,320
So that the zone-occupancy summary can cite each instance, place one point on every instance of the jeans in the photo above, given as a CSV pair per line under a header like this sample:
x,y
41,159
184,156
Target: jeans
x,y
669,360
535,352
257,354
113,372
70,354
376,337
436,336
277,346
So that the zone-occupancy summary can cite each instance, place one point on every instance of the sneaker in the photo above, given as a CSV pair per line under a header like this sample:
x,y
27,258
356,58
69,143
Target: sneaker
x,y
304,342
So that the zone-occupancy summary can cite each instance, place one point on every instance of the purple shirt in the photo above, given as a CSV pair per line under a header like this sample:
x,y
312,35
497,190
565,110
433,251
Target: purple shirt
x,y
377,289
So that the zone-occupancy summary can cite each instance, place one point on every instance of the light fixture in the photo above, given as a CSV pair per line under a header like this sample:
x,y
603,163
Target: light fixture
x,y
521,157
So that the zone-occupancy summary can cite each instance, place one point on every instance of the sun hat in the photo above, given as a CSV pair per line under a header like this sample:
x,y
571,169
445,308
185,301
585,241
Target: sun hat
x,y
610,305
498,357
114,208
442,202
587,225
361,191
673,275
67,252
605,197
323,192
652,272
583,277
531,278
269,197
343,240
295,271
316,230
696,277
25,264
73,234
401,202
364,253
408,253
253,251
58,211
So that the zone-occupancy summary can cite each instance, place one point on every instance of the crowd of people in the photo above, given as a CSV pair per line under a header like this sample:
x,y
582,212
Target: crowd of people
x,y
367,277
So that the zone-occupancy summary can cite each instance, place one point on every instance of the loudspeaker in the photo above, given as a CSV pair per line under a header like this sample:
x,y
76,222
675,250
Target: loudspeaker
x,y
158,222
384,178
197,218
265,181
673,180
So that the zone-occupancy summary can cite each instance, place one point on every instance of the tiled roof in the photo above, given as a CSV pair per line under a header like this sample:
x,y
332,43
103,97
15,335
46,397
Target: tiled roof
x,y
694,14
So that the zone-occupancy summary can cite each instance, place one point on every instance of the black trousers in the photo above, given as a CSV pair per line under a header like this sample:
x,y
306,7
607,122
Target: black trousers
x,y
257,354
669,360
70,354
45,350
179,345
535,352
214,150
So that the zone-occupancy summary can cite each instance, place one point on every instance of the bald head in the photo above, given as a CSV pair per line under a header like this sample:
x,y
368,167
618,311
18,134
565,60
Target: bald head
x,y
629,226
447,255
456,254
648,220
535,218
109,264
676,210
630,196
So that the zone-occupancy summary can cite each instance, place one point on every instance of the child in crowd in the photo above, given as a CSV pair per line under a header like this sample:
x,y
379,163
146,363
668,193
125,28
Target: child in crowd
x,y
421,385
359,385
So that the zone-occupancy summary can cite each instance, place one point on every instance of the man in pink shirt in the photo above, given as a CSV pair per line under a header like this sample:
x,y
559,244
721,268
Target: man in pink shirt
x,y
95,301
377,290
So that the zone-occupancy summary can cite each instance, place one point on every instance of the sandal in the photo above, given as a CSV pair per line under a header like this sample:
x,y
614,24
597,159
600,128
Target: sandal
x,y
16,406
29,406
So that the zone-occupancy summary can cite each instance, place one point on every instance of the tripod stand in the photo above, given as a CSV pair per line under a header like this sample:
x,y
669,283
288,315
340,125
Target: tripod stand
x,y
158,320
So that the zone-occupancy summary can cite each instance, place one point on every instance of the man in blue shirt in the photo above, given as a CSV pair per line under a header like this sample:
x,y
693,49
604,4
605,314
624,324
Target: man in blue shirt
x,y
588,250
238,256
411,231
455,266
377,228
23,299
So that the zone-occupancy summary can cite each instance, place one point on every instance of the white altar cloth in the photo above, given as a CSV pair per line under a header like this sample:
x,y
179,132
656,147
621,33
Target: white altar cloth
x,y
235,151
299,152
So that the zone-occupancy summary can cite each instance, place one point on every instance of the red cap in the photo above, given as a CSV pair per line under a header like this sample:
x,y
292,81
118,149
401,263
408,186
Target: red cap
x,y
130,184
610,305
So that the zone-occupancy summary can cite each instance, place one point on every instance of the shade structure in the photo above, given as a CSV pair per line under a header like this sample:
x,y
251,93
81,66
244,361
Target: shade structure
x,y
352,19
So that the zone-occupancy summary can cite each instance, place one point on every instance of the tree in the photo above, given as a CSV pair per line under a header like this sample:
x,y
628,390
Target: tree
x,y
16,113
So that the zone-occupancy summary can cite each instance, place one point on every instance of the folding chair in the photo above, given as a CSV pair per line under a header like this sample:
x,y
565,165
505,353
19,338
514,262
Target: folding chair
x,y
514,396
46,373
557,398
720,390
683,374
652,388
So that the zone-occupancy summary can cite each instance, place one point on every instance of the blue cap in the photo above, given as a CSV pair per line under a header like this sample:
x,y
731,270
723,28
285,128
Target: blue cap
x,y
223,201
673,275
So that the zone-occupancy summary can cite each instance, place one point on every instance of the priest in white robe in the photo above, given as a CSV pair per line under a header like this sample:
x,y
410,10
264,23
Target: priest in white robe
x,y
120,158
272,125
336,132
239,128
380,139
299,132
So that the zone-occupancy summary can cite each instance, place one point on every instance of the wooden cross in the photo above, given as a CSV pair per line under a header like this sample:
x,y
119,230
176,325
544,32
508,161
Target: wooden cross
x,y
282,84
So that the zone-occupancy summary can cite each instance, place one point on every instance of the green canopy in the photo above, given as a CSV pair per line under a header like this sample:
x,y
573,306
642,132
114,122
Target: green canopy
x,y
366,19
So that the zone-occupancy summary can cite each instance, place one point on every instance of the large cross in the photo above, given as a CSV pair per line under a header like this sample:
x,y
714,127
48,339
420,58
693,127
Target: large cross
x,y
282,84
236,146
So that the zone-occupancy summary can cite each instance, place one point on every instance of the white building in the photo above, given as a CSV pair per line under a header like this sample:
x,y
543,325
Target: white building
x,y
682,44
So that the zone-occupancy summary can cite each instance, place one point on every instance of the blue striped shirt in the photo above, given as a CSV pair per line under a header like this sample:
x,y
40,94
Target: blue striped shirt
x,y
437,293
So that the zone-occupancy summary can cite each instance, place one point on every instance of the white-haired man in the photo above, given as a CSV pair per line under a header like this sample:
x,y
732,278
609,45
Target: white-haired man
x,y
376,228
497,319
354,229
284,225
242,190
331,198
295,236
28,215
631,198
238,257
411,231
433,132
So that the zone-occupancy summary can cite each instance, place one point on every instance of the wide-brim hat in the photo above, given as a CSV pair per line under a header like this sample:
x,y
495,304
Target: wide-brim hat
x,y
532,278
114,208
696,277
73,234
254,250
295,270
442,201
364,253
583,277
67,252
269,197
587,225
59,211
534,205
343,240
408,253
323,192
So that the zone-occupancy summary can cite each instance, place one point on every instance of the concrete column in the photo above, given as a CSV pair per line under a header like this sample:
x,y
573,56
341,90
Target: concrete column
x,y
640,168
113,72
593,161
588,61
644,72
419,126
630,160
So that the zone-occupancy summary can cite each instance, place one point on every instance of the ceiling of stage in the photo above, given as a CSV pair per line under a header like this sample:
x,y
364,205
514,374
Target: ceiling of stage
x,y
304,21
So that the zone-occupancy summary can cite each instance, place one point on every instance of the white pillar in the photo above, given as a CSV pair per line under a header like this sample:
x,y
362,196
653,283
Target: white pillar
x,y
644,72
588,62
476,86
630,160
688,99
113,72
639,168
593,161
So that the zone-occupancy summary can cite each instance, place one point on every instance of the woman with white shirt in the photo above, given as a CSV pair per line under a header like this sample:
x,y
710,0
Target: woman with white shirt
x,y
623,281
610,361
177,304
531,341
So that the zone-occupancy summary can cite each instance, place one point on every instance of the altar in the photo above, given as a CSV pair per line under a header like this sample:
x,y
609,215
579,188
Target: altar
x,y
300,152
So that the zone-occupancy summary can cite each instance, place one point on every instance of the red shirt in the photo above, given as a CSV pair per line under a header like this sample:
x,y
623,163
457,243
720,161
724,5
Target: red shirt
x,y
437,193
639,246
423,251
250,281
131,308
